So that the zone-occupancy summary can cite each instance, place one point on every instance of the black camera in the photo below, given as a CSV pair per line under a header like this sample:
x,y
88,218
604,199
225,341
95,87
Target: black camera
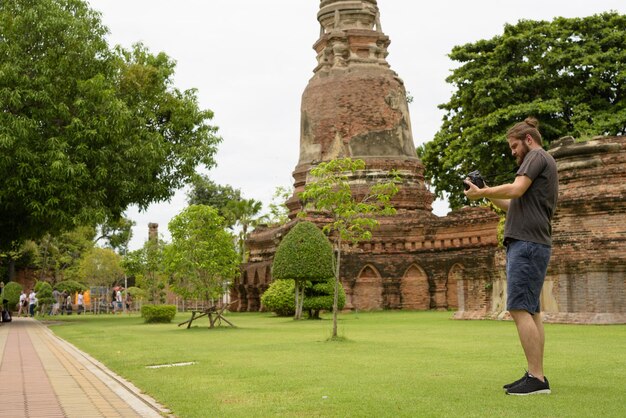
x,y
476,179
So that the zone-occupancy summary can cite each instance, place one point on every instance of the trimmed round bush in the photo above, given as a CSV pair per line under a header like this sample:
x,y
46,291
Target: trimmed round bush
x,y
304,254
279,298
158,313
44,297
320,296
12,291
71,286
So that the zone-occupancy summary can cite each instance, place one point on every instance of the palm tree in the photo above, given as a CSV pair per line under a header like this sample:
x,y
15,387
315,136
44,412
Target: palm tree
x,y
245,212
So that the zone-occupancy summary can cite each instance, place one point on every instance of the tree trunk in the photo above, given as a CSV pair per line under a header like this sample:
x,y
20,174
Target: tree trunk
x,y
336,295
11,271
296,288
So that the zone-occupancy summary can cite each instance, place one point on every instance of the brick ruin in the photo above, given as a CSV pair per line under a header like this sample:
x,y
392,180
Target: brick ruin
x,y
586,281
355,105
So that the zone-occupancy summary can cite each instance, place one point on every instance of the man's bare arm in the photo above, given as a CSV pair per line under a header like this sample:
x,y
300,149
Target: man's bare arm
x,y
500,195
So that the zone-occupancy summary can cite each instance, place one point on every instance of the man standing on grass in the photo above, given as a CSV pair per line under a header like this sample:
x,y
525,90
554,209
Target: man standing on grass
x,y
530,202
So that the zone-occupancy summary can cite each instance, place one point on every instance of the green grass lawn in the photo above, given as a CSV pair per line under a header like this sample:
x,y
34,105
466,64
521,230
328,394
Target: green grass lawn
x,y
392,364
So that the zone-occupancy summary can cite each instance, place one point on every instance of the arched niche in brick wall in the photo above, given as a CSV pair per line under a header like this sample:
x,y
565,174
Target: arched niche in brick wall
x,y
455,289
367,293
414,289
265,275
256,280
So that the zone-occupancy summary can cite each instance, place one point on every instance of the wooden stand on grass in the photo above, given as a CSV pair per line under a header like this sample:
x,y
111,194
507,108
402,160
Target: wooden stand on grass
x,y
214,313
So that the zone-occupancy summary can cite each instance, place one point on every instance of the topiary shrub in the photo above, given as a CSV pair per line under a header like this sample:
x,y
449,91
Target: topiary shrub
x,y
158,313
12,291
319,297
71,286
43,290
278,298
304,255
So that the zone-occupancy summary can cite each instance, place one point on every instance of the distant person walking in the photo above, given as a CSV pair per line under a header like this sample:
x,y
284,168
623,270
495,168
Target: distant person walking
x,y
80,302
118,300
23,304
56,304
32,302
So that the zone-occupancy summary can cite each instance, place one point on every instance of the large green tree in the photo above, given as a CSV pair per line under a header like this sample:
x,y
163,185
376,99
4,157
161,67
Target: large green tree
x,y
201,259
205,191
85,129
570,73
101,267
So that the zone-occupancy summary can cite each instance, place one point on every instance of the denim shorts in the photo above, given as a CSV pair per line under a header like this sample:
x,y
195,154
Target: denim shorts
x,y
526,267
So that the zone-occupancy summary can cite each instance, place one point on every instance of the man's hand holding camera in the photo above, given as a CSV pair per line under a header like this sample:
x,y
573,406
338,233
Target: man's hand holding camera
x,y
473,185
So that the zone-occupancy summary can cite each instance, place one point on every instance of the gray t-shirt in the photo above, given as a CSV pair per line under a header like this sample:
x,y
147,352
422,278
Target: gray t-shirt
x,y
529,217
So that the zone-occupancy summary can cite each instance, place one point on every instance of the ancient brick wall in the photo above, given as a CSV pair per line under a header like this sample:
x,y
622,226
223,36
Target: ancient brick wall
x,y
586,280
355,106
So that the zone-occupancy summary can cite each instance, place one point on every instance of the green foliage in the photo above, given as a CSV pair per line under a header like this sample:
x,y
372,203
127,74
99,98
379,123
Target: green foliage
x,y
245,212
201,258
86,130
279,212
101,267
136,293
330,191
279,297
158,313
320,297
116,233
12,291
44,296
206,192
352,219
71,286
59,256
568,73
304,254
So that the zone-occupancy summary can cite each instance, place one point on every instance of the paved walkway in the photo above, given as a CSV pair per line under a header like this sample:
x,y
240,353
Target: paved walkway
x,y
42,375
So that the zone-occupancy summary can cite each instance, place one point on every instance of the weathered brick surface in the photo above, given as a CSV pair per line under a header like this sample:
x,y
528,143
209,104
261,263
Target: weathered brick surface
x,y
356,106
587,275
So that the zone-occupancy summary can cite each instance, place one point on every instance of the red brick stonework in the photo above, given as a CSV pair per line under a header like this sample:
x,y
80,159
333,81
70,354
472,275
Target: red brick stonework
x,y
355,105
587,277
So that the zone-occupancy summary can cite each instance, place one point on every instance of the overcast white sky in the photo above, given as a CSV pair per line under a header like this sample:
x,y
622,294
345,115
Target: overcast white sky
x,y
251,60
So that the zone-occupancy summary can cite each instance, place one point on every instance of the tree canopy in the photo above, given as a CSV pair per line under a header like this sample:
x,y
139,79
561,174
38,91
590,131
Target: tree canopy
x,y
201,258
205,191
85,129
569,73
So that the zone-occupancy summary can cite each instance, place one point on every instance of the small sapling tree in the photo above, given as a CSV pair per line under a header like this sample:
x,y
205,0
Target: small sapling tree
x,y
352,218
201,258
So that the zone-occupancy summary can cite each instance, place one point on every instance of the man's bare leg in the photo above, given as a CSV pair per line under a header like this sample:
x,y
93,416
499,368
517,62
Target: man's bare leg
x,y
531,335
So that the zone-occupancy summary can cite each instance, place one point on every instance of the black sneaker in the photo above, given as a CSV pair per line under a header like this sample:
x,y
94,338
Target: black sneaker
x,y
530,386
517,382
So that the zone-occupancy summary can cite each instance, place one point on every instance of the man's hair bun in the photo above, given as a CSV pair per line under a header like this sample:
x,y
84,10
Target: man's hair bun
x,y
532,122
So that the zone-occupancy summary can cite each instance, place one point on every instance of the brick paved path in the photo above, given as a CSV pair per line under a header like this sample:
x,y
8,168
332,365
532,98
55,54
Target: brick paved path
x,y
44,376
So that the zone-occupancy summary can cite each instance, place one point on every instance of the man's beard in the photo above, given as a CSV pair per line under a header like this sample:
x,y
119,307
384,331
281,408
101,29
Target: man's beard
x,y
519,158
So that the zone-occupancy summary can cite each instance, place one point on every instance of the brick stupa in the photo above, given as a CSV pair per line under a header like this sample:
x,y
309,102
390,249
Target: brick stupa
x,y
356,106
